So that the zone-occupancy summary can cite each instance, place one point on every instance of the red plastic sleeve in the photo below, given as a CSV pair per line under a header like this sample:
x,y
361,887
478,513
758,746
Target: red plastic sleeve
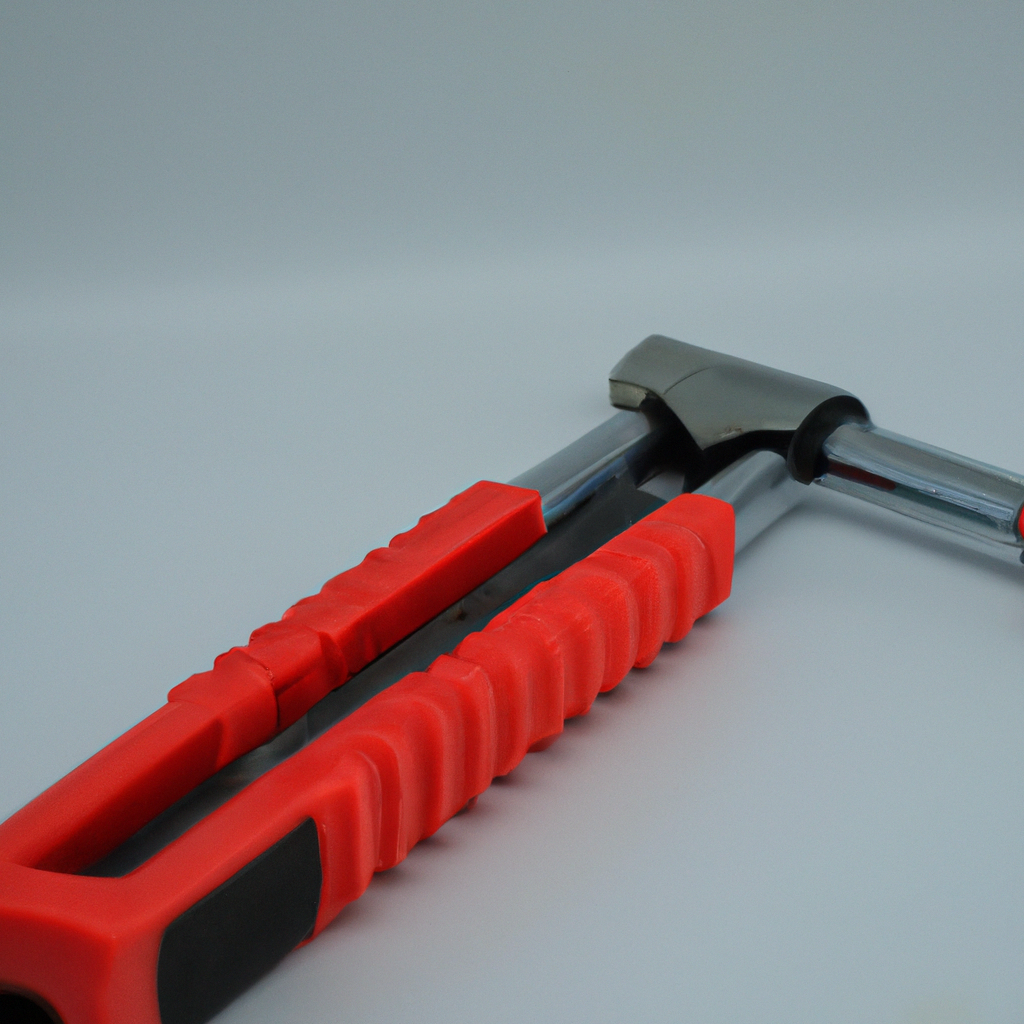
x,y
254,691
437,738
388,775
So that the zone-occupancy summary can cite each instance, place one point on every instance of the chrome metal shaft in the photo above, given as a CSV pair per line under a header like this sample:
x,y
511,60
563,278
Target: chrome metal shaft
x,y
758,486
760,489
979,502
569,477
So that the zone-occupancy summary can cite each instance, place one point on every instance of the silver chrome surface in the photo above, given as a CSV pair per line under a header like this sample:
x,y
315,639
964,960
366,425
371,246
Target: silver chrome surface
x,y
569,477
973,499
717,397
760,489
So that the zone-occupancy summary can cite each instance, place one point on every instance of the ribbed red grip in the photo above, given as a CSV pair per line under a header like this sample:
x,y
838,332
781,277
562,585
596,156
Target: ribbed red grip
x,y
435,739
383,778
254,691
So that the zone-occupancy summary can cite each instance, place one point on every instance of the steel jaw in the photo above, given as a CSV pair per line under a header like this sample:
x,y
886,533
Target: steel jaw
x,y
724,410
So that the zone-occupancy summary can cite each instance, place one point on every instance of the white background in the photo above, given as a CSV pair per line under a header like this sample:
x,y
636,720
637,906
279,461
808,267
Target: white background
x,y
277,279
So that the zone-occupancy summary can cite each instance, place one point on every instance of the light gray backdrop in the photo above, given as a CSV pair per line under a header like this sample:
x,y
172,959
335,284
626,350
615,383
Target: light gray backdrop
x,y
277,279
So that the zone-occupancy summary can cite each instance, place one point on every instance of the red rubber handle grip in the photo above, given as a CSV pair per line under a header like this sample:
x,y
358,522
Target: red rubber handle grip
x,y
60,933
436,739
255,691
386,776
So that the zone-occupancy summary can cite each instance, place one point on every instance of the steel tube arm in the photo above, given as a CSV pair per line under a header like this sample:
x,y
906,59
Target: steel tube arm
x,y
978,502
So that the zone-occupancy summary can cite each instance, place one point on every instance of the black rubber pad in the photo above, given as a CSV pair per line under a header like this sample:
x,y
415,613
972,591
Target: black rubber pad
x,y
217,948
15,1009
